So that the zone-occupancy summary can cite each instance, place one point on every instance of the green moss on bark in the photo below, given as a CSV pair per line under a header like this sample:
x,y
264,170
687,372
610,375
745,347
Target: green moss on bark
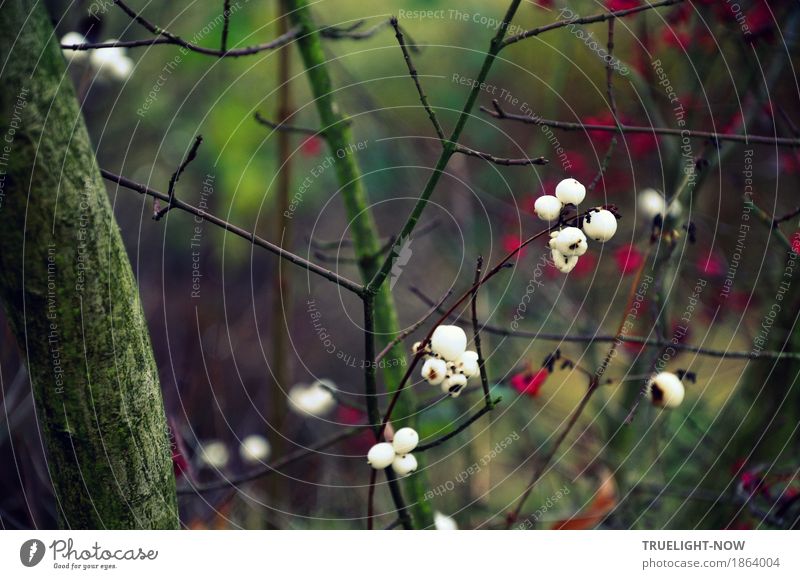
x,y
72,300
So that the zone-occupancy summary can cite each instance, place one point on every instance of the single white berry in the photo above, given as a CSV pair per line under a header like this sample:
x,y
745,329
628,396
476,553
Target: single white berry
x,y
449,342
403,465
600,225
444,523
315,400
570,241
666,390
468,364
652,202
381,455
453,385
434,370
405,440
111,63
563,263
214,454
255,449
570,191
74,55
548,207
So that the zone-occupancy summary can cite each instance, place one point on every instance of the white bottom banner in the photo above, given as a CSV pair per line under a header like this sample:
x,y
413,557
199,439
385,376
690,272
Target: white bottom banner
x,y
349,554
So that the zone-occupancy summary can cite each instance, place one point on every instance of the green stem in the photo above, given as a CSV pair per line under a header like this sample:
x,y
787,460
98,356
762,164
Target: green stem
x,y
366,241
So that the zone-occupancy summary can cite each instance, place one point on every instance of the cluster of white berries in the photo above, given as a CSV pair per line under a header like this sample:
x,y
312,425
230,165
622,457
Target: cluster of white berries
x,y
397,453
448,363
316,399
110,63
666,390
652,203
569,243
254,449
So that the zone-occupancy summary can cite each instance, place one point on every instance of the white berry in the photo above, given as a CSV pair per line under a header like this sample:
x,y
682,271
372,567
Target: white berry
x,y
449,342
600,225
255,449
666,390
381,455
570,191
403,465
652,203
548,207
405,440
315,400
453,385
444,523
468,364
570,241
434,370
112,63
214,454
563,263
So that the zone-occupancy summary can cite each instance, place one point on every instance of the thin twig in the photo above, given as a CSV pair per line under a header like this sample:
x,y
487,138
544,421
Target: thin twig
x,y
190,156
476,333
226,21
612,103
586,20
275,466
284,127
501,114
389,241
460,428
402,336
608,338
413,72
164,36
236,230
524,162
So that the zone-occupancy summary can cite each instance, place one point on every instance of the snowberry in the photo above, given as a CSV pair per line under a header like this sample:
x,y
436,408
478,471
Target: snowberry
x,y
434,370
74,55
449,342
468,364
254,449
600,225
444,523
569,241
570,191
548,207
652,203
403,465
381,455
405,440
112,63
315,400
214,454
563,263
666,390
453,385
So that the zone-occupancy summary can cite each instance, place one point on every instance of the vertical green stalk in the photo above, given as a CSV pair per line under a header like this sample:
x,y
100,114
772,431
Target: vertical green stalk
x,y
338,136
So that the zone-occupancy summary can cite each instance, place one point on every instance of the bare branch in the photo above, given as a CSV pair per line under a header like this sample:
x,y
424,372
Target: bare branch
x,y
413,72
608,338
284,127
190,156
500,160
499,113
252,238
274,467
476,333
460,428
587,20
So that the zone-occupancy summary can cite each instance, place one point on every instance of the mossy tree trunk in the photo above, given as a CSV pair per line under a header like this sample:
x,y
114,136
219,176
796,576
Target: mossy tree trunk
x,y
71,297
